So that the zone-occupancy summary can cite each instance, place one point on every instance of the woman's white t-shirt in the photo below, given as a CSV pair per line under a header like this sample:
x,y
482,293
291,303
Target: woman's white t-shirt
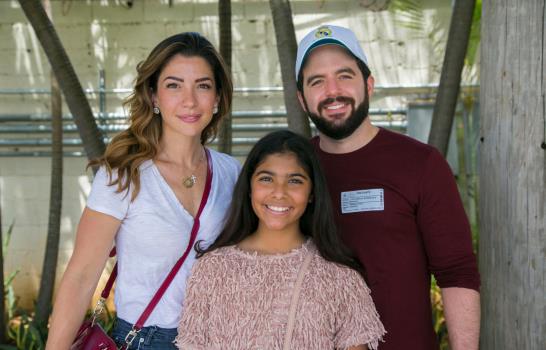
x,y
154,232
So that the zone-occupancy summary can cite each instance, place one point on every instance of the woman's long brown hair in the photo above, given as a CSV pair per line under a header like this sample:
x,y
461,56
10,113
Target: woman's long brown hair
x,y
140,142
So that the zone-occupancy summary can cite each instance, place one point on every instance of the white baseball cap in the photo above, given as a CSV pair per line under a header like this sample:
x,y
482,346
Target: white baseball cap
x,y
328,34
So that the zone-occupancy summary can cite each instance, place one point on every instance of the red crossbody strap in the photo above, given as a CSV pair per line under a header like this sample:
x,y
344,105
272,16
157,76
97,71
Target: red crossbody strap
x,y
193,235
108,287
142,319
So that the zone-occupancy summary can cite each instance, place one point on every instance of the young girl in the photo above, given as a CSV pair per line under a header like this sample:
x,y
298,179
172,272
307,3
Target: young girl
x,y
241,290
147,193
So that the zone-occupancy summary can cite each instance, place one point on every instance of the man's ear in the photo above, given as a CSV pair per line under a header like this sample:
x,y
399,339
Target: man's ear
x,y
300,98
370,83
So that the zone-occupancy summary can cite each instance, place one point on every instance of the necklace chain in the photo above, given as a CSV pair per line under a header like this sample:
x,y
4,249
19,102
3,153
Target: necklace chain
x,y
189,181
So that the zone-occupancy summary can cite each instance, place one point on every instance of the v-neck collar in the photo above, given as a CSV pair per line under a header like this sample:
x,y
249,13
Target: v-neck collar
x,y
171,196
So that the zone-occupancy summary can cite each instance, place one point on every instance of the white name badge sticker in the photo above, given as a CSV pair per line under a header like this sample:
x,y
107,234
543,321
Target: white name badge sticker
x,y
362,200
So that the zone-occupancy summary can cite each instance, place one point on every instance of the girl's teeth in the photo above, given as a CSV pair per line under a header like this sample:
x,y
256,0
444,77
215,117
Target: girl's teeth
x,y
279,209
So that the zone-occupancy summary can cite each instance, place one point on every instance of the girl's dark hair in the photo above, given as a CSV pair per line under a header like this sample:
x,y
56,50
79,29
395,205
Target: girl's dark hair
x,y
316,222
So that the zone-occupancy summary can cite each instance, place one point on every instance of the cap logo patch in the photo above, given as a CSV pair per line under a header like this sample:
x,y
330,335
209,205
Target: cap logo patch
x,y
323,32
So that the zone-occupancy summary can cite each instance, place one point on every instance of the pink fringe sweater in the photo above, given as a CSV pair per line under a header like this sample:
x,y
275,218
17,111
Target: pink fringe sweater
x,y
240,300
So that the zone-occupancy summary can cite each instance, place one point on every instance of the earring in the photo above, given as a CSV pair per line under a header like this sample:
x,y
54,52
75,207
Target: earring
x,y
215,109
156,110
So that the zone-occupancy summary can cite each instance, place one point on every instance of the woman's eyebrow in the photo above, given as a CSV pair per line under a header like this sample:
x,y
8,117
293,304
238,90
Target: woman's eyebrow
x,y
199,80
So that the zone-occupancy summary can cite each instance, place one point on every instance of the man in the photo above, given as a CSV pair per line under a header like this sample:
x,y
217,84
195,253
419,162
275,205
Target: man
x,y
395,200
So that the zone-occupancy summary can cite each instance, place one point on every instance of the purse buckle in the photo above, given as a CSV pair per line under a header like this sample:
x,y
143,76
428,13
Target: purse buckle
x,y
99,308
131,336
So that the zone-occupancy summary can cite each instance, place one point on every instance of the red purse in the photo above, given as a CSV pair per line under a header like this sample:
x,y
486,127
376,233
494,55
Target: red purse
x,y
91,336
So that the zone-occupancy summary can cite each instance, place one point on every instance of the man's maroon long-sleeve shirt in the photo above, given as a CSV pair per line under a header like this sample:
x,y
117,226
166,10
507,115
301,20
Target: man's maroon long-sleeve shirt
x,y
397,207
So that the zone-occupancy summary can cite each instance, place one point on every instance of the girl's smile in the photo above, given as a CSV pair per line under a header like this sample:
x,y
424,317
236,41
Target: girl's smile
x,y
280,190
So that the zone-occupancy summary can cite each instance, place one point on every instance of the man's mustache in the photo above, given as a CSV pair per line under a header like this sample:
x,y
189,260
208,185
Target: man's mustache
x,y
341,99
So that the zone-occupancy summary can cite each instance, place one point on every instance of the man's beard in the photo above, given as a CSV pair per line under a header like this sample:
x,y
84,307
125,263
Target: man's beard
x,y
346,128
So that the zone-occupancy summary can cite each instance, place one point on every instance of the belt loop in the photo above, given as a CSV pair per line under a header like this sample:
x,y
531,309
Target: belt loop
x,y
150,335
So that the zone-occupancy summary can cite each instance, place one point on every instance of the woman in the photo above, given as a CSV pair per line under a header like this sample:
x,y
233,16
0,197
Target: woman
x,y
147,192
240,292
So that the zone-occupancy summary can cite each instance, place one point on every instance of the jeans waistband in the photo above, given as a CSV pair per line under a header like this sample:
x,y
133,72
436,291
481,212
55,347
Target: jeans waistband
x,y
147,336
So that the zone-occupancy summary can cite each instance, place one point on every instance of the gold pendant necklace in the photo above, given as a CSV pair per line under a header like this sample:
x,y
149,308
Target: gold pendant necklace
x,y
190,181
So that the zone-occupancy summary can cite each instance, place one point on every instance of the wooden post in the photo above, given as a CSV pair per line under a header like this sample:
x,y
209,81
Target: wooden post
x,y
287,48
513,174
450,80
225,134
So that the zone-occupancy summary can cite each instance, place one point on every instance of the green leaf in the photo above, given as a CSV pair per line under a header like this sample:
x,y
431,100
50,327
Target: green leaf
x,y
7,238
475,38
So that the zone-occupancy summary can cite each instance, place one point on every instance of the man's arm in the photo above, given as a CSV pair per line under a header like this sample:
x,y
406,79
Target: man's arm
x,y
462,313
448,243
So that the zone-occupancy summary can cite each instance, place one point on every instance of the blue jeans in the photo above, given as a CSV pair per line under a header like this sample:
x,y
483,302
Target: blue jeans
x,y
149,338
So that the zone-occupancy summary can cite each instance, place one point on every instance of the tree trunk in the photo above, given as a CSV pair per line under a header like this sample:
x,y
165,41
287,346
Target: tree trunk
x,y
450,80
513,174
287,49
224,13
2,289
66,76
49,268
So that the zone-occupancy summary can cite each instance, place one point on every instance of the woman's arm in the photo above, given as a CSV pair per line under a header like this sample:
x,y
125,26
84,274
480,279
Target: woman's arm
x,y
360,347
94,240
